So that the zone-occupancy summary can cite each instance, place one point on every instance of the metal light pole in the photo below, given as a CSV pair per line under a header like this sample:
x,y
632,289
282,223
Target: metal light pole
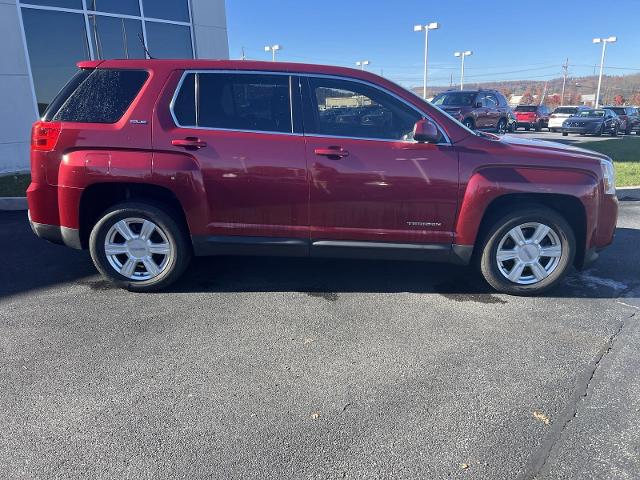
x,y
273,49
462,55
604,42
426,28
362,63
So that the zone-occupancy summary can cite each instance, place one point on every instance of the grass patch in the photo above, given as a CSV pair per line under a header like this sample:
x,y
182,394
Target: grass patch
x,y
625,153
14,185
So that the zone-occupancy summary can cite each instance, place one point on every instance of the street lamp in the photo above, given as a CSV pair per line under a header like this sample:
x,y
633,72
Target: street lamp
x,y
462,55
273,49
604,42
426,28
362,63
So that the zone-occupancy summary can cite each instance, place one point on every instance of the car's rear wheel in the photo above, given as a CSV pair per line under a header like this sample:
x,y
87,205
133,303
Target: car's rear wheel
x,y
527,252
537,127
614,132
139,247
469,123
565,134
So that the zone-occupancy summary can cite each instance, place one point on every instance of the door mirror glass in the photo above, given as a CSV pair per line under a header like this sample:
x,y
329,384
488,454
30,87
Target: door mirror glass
x,y
426,131
478,104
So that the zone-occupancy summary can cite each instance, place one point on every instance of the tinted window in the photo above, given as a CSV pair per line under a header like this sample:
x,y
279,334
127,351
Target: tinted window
x,y
57,3
490,101
464,99
236,101
56,42
127,7
184,106
167,10
165,40
102,97
352,109
116,37
566,110
619,111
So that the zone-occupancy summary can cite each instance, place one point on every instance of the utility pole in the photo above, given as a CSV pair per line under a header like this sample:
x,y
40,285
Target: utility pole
x,y
544,93
243,57
462,55
426,28
565,73
604,42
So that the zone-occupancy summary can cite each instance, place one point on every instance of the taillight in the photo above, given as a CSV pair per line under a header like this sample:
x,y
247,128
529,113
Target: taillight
x,y
44,136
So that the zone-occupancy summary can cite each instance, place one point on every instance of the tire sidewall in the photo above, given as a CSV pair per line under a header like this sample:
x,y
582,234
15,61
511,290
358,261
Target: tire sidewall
x,y
168,226
489,266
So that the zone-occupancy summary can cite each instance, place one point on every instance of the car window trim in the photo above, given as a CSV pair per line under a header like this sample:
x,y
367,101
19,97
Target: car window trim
x,y
447,140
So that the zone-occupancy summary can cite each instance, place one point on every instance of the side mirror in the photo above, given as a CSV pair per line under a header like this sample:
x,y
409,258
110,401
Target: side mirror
x,y
478,105
425,131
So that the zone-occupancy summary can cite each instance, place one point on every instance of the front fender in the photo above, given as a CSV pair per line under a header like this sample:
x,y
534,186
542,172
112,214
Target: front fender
x,y
490,183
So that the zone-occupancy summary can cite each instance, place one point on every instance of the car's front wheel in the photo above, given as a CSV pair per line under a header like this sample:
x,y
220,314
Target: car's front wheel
x,y
502,126
139,247
527,252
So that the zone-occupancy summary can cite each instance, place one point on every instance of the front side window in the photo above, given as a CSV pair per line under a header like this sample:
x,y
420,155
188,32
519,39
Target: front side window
x,y
490,101
455,99
256,102
352,109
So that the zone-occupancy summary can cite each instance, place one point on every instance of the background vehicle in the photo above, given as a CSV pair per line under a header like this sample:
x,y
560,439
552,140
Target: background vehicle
x,y
629,118
148,162
476,109
593,122
560,114
532,116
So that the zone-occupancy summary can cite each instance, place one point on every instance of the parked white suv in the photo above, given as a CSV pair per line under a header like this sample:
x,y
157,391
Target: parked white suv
x,y
560,114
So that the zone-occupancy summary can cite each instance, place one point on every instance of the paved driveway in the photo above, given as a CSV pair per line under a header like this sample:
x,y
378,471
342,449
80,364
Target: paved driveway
x,y
283,368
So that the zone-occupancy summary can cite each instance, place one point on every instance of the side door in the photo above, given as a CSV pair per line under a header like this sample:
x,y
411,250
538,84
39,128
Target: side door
x,y
370,182
493,112
480,111
242,136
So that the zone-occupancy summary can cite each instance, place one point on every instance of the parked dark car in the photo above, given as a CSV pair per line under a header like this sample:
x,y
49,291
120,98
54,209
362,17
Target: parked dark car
x,y
532,116
629,117
593,122
146,163
476,109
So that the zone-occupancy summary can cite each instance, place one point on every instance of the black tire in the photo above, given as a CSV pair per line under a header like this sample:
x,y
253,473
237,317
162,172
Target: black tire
x,y
565,134
600,132
502,126
469,123
553,130
614,132
165,220
527,128
537,127
627,131
502,224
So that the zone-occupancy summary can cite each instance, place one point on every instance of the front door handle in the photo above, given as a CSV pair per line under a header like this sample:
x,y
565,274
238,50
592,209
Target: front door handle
x,y
190,143
333,152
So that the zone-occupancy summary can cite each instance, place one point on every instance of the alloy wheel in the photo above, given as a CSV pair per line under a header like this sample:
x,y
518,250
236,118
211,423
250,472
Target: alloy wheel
x,y
138,249
528,253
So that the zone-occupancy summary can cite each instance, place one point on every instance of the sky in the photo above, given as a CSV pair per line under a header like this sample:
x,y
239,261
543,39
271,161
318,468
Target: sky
x,y
510,40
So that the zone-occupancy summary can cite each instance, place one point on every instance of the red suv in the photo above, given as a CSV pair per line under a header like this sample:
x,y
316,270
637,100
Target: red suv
x,y
532,116
476,109
148,162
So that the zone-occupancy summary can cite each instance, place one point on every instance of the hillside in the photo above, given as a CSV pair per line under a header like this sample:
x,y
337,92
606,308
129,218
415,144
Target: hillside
x,y
627,86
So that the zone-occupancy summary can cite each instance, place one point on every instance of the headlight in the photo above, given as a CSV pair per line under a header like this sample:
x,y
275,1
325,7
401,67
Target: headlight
x,y
609,175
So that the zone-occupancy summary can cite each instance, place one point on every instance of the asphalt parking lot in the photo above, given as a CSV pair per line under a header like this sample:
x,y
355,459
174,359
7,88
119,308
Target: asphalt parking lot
x,y
291,368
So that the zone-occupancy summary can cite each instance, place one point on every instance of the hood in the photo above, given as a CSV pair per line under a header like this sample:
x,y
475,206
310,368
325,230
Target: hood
x,y
551,147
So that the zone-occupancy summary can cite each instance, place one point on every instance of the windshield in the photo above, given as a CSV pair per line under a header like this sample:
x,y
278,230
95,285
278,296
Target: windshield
x,y
566,110
526,108
592,113
619,111
457,99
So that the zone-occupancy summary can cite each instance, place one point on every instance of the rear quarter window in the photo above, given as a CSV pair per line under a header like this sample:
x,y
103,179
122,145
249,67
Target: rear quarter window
x,y
102,97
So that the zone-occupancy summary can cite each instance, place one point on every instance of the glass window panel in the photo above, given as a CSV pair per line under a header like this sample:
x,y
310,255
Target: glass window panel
x,y
115,37
165,40
177,10
244,102
56,41
126,7
352,109
57,3
184,108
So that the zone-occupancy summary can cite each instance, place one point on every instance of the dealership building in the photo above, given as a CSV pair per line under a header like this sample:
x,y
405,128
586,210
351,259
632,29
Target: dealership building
x,y
42,40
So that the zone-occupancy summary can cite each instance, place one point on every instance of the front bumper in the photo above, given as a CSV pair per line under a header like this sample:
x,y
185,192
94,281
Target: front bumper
x,y
57,234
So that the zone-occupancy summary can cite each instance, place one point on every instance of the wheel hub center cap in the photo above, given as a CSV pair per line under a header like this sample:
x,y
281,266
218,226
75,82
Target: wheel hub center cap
x,y
529,253
138,248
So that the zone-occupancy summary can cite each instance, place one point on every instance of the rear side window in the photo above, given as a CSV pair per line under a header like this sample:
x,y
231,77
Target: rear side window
x,y
256,102
102,96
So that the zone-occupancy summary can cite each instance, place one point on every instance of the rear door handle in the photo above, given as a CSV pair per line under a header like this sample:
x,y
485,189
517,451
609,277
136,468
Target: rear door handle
x,y
190,143
333,152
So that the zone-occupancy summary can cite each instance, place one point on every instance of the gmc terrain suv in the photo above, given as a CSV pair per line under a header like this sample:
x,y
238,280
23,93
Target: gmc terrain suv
x,y
148,162
476,109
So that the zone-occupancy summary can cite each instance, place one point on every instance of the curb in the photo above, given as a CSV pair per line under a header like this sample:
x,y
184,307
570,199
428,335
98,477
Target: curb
x,y
628,193
13,203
